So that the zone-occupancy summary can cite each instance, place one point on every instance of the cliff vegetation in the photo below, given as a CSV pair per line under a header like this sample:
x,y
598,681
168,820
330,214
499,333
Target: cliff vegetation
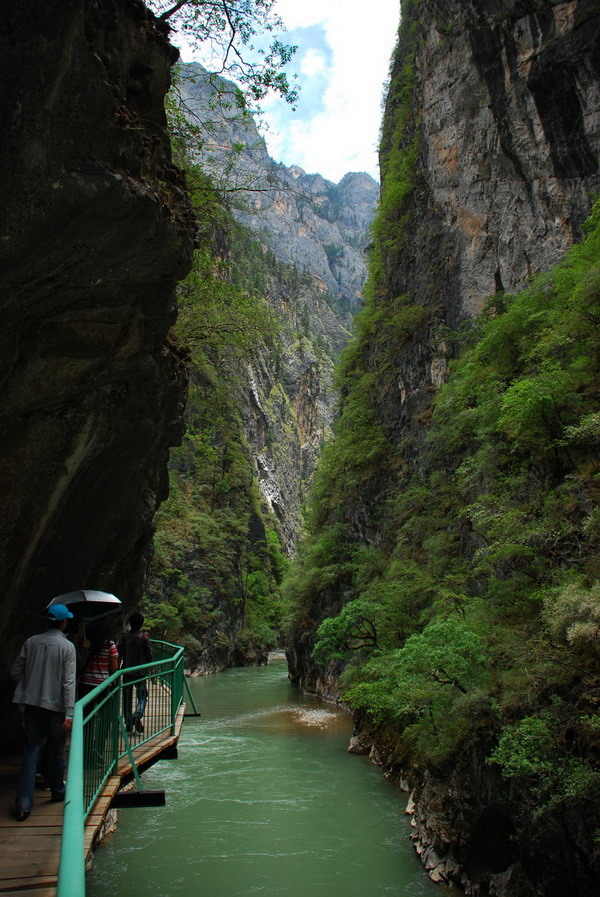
x,y
218,560
264,312
447,588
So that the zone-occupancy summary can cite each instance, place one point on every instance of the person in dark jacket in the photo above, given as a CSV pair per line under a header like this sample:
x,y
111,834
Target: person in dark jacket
x,y
134,650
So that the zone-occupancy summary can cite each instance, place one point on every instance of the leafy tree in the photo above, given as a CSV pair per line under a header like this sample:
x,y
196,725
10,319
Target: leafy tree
x,y
354,628
229,33
446,658
525,749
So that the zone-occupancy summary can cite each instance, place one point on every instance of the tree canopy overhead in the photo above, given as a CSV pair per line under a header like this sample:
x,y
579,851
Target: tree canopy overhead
x,y
230,34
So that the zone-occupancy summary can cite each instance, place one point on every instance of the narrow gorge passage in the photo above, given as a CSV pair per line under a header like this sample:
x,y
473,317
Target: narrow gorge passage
x,y
264,799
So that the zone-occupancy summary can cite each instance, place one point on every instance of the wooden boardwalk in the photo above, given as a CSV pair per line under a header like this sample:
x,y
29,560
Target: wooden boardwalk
x,y
30,850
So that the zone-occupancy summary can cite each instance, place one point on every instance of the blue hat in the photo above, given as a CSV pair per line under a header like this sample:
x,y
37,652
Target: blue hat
x,y
59,612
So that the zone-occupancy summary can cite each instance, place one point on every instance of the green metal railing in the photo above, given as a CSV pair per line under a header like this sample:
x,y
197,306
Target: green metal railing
x,y
103,734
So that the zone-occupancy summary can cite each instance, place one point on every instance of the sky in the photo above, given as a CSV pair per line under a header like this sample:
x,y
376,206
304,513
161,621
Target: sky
x,y
343,60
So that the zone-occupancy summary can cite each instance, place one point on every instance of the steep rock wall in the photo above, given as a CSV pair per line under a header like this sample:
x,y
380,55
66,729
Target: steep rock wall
x,y
321,229
490,138
97,231
489,162
507,96
288,403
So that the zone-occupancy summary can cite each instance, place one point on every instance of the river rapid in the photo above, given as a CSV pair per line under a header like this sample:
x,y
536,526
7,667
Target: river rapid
x,y
264,799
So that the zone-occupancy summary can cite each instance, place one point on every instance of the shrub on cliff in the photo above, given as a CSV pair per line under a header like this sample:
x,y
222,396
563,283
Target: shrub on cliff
x,y
495,530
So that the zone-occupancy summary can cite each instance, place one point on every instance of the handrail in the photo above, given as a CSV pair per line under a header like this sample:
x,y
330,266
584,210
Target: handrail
x,y
96,746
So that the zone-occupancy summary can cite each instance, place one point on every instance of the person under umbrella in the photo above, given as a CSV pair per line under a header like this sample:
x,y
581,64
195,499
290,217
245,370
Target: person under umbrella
x,y
95,656
100,658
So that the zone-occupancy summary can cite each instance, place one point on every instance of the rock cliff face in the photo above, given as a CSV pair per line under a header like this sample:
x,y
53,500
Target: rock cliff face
x,y
287,409
321,229
96,232
489,162
506,106
305,219
318,226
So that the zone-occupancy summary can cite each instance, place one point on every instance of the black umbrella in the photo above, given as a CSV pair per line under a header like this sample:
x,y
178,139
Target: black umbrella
x,y
88,604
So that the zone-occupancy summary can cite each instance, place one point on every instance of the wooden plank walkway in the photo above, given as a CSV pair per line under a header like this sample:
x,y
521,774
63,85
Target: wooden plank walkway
x,y
30,850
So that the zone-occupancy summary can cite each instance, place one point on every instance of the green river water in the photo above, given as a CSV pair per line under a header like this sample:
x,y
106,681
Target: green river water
x,y
264,799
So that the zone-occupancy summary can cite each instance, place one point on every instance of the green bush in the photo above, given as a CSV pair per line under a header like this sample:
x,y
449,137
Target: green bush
x,y
494,530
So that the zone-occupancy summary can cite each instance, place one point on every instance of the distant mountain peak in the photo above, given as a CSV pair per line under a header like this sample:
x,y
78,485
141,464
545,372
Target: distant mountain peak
x,y
307,220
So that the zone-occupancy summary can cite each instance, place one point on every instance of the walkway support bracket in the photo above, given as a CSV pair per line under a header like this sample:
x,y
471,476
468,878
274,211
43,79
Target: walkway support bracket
x,y
124,800
127,743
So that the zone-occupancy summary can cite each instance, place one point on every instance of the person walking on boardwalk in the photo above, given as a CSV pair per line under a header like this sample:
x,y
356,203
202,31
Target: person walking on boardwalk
x,y
100,658
44,671
134,650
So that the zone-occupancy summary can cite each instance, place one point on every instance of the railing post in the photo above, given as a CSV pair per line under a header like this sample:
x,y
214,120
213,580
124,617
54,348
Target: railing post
x,y
174,703
115,724
71,869
103,709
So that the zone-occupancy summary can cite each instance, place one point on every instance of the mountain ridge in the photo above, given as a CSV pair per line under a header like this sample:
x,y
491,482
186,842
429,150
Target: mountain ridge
x,y
300,213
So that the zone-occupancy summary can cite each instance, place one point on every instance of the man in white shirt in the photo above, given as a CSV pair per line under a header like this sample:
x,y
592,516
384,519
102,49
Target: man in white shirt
x,y
44,671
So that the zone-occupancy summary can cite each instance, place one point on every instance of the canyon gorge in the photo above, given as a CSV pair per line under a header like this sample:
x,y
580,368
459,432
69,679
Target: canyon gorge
x,y
359,421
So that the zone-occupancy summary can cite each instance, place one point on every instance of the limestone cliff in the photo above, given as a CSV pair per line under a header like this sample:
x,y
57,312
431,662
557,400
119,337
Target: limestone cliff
x,y
506,108
490,145
322,230
305,219
96,231
489,161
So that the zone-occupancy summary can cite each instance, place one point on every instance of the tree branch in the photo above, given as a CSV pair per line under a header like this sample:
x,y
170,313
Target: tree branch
x,y
171,12
449,680
233,33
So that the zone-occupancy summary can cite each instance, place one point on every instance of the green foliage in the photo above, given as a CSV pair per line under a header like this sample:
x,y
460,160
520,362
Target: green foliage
x,y
225,32
466,582
534,751
398,153
525,749
357,452
279,561
355,627
422,686
216,314
573,615
218,560
217,567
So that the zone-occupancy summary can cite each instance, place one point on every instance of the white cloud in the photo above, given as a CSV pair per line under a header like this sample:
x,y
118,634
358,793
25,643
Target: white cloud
x,y
343,59
344,134
312,62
